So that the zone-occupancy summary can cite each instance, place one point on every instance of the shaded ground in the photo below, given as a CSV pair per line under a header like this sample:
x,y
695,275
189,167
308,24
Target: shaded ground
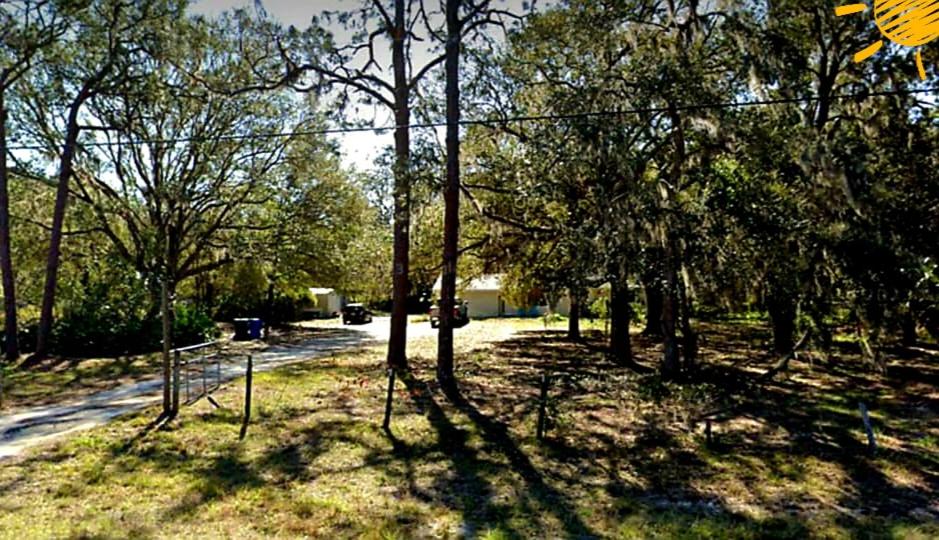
x,y
620,460
32,426
59,379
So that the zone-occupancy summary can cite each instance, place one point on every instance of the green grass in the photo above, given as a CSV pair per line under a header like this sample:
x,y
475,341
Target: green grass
x,y
60,379
619,461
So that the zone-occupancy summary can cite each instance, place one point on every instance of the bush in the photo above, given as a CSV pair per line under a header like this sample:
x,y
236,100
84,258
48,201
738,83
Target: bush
x,y
97,327
192,326
102,323
287,307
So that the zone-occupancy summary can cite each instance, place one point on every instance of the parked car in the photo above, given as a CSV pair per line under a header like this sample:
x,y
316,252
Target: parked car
x,y
356,314
460,313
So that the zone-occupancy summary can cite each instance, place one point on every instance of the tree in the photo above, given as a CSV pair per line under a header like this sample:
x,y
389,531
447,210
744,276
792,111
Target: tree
x,y
807,54
451,224
314,214
109,37
180,167
26,28
590,174
354,68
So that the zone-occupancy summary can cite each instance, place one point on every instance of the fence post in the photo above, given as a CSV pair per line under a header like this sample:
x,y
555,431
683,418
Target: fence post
x,y
247,415
542,406
391,387
188,391
871,443
176,362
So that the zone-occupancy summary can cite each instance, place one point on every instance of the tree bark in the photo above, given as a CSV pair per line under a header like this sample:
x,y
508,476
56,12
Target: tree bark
x,y
670,367
573,321
168,312
908,327
620,318
451,195
166,307
397,340
269,309
652,289
11,343
58,219
689,337
782,314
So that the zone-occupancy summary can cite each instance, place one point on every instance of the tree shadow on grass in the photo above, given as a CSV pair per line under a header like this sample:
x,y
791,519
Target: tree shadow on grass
x,y
475,493
225,474
806,430
467,490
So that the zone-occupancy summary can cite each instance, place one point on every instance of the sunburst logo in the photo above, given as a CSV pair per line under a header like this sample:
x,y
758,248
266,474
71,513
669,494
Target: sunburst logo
x,y
909,23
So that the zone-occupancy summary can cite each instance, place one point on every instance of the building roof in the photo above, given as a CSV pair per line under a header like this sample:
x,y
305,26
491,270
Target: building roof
x,y
321,290
486,282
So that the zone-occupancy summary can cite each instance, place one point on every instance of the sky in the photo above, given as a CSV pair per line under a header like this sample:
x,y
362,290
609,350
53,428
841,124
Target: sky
x,y
359,149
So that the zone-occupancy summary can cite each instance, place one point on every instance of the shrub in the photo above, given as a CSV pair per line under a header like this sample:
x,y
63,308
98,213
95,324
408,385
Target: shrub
x,y
288,306
193,325
106,323
102,323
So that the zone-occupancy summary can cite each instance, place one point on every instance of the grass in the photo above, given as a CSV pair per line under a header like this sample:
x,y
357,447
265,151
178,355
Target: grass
x,y
58,379
619,461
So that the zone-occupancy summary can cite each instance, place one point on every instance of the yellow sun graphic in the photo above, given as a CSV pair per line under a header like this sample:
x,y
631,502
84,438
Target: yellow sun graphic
x,y
910,23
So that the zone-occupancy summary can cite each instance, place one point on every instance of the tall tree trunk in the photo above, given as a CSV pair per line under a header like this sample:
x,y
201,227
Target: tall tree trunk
x,y
689,338
451,195
620,318
782,314
269,308
908,326
652,289
397,341
166,310
670,367
11,344
58,219
573,320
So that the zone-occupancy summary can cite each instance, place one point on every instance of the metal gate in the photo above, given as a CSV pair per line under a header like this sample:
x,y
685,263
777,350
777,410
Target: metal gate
x,y
197,372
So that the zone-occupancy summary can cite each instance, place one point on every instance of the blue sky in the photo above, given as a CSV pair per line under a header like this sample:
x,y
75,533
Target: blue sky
x,y
359,149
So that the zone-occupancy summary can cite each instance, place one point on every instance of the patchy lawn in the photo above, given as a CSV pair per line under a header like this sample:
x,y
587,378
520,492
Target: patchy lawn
x,y
621,459
59,379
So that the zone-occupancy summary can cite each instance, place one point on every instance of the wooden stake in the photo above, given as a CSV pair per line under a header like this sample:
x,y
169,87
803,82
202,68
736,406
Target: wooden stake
x,y
871,443
247,415
542,409
176,365
391,387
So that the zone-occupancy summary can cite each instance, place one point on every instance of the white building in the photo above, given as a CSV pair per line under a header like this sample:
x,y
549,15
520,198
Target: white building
x,y
328,303
485,299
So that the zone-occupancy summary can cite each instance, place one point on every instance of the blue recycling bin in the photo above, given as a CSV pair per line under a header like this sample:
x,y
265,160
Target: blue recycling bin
x,y
254,328
248,329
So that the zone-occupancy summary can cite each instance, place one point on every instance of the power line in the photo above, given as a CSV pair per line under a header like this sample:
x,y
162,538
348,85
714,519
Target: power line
x,y
509,120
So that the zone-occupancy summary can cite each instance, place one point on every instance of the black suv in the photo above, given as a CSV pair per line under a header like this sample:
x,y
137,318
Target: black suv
x,y
356,314
460,313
